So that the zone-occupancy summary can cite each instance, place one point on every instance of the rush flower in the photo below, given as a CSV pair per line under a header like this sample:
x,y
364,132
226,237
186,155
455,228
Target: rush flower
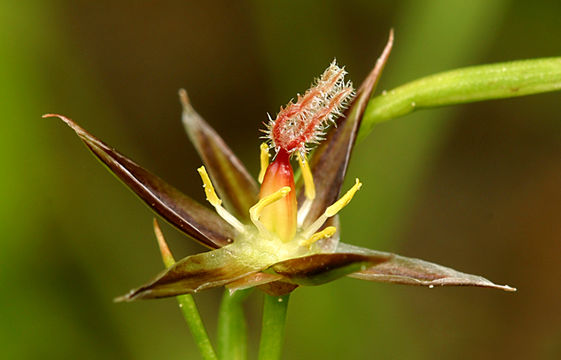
x,y
283,233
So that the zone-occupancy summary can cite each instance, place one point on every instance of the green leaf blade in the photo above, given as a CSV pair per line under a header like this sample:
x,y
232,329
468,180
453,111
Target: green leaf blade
x,y
486,82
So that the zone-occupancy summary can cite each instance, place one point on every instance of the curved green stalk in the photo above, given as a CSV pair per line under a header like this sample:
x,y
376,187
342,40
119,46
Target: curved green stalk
x,y
272,332
495,81
192,317
232,327
187,304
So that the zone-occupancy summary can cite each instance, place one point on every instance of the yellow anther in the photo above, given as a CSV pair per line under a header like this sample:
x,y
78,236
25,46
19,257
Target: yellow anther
x,y
264,156
332,210
215,201
255,210
324,234
344,200
309,186
209,189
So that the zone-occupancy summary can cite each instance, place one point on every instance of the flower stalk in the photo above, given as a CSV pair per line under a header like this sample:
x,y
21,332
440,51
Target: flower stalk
x,y
232,327
272,331
187,304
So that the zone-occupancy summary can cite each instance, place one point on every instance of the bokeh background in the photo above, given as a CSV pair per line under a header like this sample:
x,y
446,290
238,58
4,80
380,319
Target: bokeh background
x,y
475,187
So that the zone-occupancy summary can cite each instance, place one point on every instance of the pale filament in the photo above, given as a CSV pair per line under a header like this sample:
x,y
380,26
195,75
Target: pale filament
x,y
215,201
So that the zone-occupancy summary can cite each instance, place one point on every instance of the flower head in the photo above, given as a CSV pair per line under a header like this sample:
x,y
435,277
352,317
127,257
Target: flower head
x,y
283,233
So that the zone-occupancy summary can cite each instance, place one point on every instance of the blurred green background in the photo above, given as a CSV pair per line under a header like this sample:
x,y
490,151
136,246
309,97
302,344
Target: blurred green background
x,y
475,187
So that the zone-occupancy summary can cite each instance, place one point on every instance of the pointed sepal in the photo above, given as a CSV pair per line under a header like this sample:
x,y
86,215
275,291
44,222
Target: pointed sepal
x,y
330,160
409,271
235,186
318,269
192,274
187,215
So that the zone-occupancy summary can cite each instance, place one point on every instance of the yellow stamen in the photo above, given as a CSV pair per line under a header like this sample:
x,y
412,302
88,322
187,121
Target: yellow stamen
x,y
209,189
324,234
344,200
309,186
303,211
264,161
215,201
333,209
255,210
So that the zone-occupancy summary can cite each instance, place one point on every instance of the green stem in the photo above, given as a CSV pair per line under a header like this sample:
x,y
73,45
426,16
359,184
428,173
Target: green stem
x,y
272,332
232,328
187,304
485,82
195,323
